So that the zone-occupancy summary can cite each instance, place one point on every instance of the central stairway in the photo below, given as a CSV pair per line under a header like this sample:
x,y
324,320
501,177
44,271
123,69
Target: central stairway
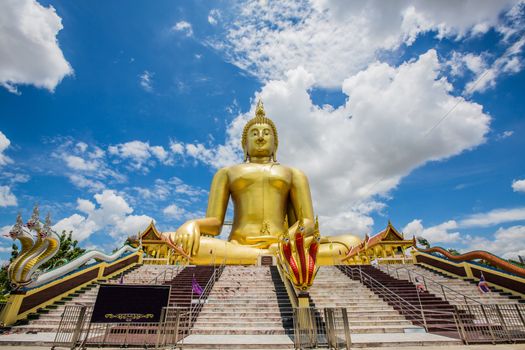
x,y
248,307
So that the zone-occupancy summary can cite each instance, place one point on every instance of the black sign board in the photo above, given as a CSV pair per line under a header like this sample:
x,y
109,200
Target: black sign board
x,y
117,303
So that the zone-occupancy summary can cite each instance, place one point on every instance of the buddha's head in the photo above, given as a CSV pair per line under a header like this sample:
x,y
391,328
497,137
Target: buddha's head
x,y
259,137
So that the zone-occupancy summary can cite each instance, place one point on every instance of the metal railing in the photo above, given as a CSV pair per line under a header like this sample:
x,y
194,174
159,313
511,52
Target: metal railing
x,y
166,275
433,320
156,261
321,328
491,323
436,287
197,304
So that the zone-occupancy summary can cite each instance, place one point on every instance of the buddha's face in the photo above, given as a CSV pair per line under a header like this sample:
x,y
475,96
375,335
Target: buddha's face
x,y
260,141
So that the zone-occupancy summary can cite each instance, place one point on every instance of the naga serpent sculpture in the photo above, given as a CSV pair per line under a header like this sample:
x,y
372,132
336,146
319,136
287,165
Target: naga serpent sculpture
x,y
36,250
478,254
297,255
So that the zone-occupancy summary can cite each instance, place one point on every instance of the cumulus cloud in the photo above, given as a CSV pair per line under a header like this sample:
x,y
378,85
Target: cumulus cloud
x,y
518,185
175,212
7,198
439,233
486,75
333,39
4,144
365,147
30,30
87,166
162,189
183,27
506,242
111,211
494,217
140,154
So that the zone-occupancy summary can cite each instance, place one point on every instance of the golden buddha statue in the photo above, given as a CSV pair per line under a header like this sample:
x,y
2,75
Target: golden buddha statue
x,y
268,198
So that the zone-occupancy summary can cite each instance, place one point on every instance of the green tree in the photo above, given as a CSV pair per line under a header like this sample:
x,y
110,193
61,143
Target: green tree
x,y
69,250
453,251
423,242
5,286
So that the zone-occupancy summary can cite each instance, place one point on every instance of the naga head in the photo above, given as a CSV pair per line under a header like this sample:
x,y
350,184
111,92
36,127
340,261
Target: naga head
x,y
17,230
298,253
34,221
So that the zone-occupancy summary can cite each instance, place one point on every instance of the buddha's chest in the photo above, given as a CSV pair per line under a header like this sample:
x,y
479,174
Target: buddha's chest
x,y
260,177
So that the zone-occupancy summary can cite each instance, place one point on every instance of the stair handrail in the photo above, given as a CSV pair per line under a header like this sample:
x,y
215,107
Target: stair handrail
x,y
443,286
195,308
409,308
174,270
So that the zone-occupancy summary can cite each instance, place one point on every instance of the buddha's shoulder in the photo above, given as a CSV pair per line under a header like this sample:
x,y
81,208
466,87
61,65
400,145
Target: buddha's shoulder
x,y
248,167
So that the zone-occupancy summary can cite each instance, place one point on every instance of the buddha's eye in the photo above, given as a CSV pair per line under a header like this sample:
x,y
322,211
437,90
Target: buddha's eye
x,y
267,132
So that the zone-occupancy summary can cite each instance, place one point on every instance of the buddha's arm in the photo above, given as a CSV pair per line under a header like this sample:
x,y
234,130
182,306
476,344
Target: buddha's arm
x,y
301,198
188,236
217,204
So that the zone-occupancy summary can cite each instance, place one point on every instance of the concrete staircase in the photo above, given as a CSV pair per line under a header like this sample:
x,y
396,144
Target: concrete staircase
x,y
367,313
47,319
454,287
244,301
373,323
248,307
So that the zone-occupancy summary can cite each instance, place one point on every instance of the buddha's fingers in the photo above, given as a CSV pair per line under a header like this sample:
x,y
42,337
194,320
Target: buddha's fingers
x,y
185,243
196,241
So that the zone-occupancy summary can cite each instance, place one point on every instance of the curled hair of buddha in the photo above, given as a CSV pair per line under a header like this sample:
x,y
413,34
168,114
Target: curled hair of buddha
x,y
260,118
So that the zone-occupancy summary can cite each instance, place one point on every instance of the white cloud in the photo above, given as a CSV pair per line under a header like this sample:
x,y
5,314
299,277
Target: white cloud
x,y
365,147
175,212
81,181
146,81
113,213
509,63
439,233
140,153
177,147
506,242
335,39
4,144
214,16
29,53
7,198
518,185
86,165
78,163
183,27
493,217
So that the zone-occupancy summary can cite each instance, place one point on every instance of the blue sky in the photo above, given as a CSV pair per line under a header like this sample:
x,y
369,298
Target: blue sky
x,y
112,116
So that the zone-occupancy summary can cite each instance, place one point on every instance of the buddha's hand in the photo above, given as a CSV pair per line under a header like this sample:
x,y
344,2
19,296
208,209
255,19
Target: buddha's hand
x,y
186,240
298,252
